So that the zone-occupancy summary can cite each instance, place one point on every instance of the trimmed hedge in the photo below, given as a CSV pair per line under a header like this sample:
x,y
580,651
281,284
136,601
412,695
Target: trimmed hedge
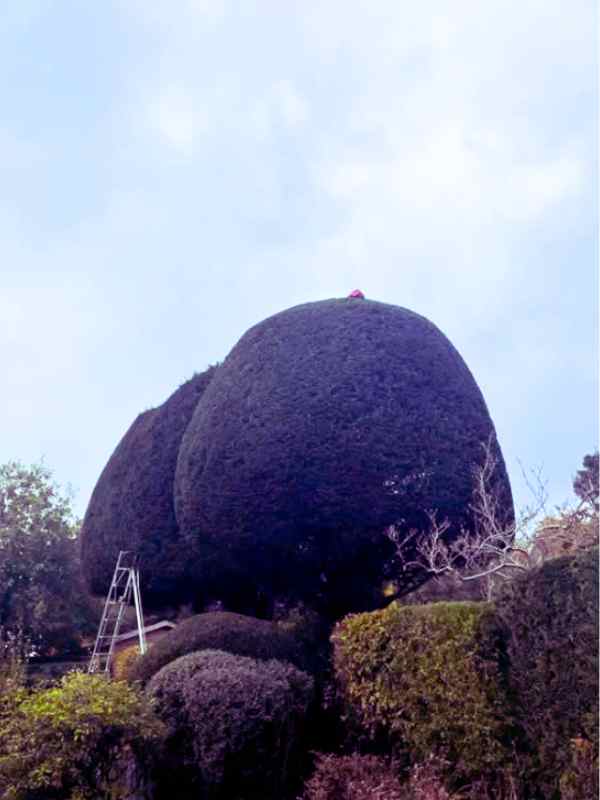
x,y
132,504
325,424
551,615
219,630
429,679
235,723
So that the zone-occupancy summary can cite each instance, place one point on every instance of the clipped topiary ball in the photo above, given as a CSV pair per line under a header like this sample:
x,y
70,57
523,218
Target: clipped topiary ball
x,y
327,423
235,723
219,630
132,504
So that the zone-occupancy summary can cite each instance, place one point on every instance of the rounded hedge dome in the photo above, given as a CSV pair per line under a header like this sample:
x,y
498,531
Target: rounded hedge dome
x,y
131,507
327,423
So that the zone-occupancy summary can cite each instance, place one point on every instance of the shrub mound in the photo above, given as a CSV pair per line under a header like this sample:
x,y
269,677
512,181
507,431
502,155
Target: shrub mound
x,y
551,614
325,424
429,679
219,630
132,504
235,723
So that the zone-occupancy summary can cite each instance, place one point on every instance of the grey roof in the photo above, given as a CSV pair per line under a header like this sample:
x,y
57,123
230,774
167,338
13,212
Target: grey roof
x,y
123,637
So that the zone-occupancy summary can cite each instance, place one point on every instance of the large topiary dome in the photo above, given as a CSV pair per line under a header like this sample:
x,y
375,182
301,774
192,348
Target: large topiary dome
x,y
132,505
326,423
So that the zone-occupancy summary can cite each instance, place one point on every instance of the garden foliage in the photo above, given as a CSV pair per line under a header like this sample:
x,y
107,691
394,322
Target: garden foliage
x,y
76,741
272,478
235,723
219,630
551,617
132,504
430,679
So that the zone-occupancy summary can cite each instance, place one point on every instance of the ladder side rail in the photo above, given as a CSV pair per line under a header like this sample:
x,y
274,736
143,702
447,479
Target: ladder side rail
x,y
124,602
137,597
104,620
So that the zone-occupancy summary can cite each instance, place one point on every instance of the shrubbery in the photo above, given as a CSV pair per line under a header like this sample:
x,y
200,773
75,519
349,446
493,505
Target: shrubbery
x,y
235,722
77,741
354,777
430,679
551,617
219,630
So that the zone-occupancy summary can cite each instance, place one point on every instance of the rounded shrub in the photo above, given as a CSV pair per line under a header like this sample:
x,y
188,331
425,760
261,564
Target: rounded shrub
x,y
327,423
235,723
551,617
219,630
429,680
131,507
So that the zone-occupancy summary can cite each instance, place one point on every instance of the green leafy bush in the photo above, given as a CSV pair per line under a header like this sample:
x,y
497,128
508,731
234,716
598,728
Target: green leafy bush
x,y
429,678
580,780
551,617
235,723
76,741
219,630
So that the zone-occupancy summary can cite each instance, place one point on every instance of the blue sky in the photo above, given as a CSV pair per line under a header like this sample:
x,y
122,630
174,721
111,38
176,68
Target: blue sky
x,y
174,171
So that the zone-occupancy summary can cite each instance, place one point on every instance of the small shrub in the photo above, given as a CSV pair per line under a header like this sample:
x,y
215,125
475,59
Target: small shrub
x,y
354,777
429,679
551,617
234,722
123,661
76,740
219,630
580,780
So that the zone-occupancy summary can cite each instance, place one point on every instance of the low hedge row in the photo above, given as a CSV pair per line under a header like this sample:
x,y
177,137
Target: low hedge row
x,y
219,630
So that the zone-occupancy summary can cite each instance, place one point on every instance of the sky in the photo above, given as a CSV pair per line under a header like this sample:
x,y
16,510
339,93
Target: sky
x,y
174,171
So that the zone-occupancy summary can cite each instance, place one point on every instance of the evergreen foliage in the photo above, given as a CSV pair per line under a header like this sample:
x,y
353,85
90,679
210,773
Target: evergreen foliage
x,y
235,723
219,630
132,504
430,679
551,615
327,423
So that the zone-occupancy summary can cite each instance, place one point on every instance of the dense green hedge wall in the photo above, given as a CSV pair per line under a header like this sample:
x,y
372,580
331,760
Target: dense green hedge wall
x,y
235,723
219,630
551,615
430,678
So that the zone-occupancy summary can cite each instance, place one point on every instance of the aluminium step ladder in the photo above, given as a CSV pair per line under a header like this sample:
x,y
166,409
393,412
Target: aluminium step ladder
x,y
125,584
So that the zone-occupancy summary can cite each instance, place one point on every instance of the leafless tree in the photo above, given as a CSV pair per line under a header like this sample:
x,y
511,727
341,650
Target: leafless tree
x,y
492,550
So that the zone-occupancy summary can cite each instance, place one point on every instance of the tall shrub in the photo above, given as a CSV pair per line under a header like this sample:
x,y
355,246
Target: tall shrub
x,y
429,678
551,617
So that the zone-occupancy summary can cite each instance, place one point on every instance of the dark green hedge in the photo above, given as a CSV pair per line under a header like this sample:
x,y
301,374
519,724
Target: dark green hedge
x,y
430,678
324,425
551,615
235,723
220,630
131,507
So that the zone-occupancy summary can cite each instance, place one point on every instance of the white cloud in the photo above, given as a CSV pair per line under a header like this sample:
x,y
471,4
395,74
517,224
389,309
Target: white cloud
x,y
178,118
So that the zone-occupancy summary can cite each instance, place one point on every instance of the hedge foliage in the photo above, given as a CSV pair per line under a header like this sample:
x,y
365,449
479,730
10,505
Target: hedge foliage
x,y
131,507
324,425
430,679
219,630
551,616
354,777
76,741
235,722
